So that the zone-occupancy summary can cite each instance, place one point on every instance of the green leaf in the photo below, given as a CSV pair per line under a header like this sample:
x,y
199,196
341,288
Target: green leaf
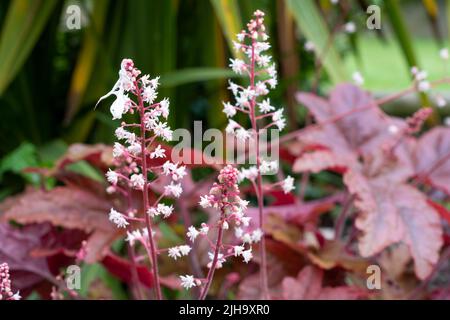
x,y
313,26
84,168
19,159
191,75
23,25
229,16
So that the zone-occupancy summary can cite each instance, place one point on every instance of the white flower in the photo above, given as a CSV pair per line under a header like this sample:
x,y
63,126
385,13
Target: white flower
x,y
164,107
247,238
228,109
117,218
357,78
241,36
393,129
184,250
119,105
264,60
423,86
246,221
16,296
265,106
225,225
150,94
238,250
261,88
288,184
135,148
272,71
247,255
172,169
444,53
204,229
242,134
187,281
232,125
233,87
277,115
117,150
153,212
121,133
256,235
440,101
162,130
192,233
165,210
421,75
174,189
350,27
220,260
251,173
112,177
174,253
205,202
158,152
309,46
281,124
272,82
137,181
268,167
238,232
238,65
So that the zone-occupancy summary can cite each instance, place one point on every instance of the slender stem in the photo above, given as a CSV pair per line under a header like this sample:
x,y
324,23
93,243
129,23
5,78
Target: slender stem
x,y
210,275
340,222
153,248
259,193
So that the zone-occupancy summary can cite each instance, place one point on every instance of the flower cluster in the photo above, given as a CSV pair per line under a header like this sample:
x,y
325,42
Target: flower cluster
x,y
252,100
224,197
263,76
136,158
5,284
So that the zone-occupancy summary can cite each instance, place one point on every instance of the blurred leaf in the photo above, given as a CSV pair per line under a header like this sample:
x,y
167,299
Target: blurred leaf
x,y
23,25
85,169
404,39
22,157
229,16
86,59
431,8
314,28
191,75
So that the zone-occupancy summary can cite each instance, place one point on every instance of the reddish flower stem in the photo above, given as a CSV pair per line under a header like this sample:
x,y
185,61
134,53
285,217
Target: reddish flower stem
x,y
259,191
153,248
210,275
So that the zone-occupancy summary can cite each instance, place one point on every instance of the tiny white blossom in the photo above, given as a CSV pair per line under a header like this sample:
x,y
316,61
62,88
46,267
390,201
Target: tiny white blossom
x,y
238,65
309,46
393,129
192,233
158,152
265,106
137,181
164,107
228,109
174,189
117,150
288,184
204,229
238,232
187,281
350,27
358,78
174,253
238,250
242,134
117,218
205,202
423,86
256,235
112,177
247,255
444,53
184,249
135,149
440,101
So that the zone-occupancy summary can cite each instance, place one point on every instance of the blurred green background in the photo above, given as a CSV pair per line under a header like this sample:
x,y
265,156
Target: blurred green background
x,y
51,76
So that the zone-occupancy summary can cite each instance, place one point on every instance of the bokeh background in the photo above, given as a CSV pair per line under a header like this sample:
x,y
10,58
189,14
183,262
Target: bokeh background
x,y
51,77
